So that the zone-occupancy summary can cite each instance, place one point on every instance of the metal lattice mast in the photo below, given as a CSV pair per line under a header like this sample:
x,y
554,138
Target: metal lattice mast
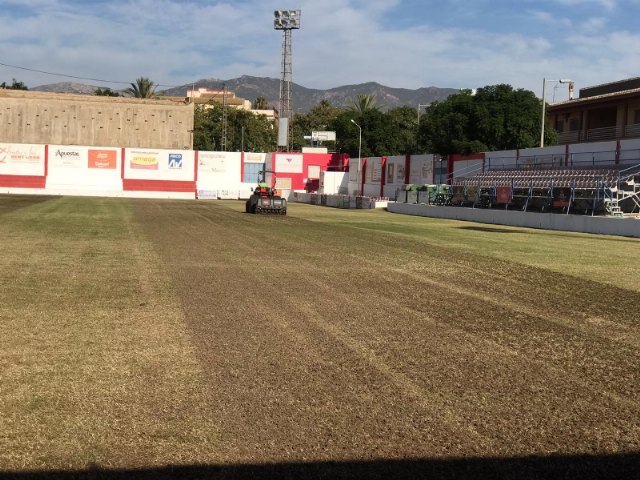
x,y
285,20
285,79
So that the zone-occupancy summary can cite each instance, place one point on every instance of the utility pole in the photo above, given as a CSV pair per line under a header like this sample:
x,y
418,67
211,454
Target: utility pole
x,y
224,118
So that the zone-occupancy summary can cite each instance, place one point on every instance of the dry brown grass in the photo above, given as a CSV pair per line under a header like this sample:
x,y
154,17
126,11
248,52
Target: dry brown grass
x,y
156,332
96,366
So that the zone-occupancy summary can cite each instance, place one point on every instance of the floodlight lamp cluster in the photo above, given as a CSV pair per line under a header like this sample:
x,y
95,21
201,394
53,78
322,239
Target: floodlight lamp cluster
x,y
286,19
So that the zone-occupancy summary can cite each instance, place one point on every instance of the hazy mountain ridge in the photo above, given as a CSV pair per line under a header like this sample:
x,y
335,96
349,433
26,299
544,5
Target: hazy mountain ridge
x,y
303,99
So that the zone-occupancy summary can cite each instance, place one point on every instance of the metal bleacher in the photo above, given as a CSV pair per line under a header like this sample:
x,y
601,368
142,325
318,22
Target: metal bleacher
x,y
567,190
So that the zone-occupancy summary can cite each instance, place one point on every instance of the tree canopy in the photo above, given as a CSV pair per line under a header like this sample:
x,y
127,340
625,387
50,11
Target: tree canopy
x,y
106,92
245,130
494,118
15,85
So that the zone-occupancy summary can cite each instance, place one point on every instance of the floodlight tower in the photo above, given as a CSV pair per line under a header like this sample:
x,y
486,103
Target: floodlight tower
x,y
285,20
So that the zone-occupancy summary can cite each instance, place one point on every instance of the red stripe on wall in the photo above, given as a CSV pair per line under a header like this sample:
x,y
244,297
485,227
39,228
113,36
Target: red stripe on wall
x,y
158,185
23,181
407,168
122,165
195,166
364,172
383,176
241,166
46,160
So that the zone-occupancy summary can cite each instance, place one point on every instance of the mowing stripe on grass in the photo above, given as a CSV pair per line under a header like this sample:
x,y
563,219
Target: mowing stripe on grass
x,y
95,364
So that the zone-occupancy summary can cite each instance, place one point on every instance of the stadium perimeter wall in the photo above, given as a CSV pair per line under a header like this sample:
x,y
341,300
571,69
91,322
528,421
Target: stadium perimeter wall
x,y
146,172
627,227
90,120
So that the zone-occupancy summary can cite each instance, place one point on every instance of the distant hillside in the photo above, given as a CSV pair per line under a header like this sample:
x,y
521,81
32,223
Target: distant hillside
x,y
303,99
67,87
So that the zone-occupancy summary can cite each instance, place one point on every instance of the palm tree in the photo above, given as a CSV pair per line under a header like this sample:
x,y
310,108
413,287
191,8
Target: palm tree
x,y
363,103
260,104
143,88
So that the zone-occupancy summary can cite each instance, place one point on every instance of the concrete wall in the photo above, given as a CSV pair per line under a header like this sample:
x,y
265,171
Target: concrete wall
x,y
504,159
66,119
630,152
628,227
597,154
548,156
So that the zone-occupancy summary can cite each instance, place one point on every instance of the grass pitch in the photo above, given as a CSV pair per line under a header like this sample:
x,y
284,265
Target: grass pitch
x,y
140,333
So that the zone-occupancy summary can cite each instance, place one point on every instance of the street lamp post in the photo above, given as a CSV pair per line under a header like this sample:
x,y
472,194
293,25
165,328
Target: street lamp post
x,y
544,103
359,153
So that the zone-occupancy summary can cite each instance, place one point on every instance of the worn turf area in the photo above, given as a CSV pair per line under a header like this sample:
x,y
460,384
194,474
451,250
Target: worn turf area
x,y
324,336
96,365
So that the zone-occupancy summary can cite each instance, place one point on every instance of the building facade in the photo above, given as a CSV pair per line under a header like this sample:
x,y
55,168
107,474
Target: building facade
x,y
603,112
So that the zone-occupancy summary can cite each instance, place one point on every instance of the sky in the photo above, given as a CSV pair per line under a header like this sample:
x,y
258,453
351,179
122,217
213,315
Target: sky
x,y
398,43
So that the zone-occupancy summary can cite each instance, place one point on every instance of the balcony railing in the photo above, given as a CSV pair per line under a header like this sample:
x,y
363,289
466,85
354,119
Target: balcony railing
x,y
599,134
569,137
632,130
604,133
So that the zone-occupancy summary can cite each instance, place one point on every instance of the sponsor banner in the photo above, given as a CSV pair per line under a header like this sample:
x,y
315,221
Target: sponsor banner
x,y
353,170
376,171
21,154
427,171
103,159
289,163
313,172
206,194
283,183
144,160
252,157
66,157
214,162
175,161
21,159
503,195
160,164
421,170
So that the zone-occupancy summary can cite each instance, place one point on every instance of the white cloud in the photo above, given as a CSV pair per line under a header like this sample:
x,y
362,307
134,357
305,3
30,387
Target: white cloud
x,y
606,4
340,42
550,19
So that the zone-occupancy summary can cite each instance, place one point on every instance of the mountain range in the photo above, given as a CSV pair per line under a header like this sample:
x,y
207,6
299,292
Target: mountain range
x,y
303,99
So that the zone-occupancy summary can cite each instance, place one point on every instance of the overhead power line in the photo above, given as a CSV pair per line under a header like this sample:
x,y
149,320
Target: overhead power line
x,y
78,77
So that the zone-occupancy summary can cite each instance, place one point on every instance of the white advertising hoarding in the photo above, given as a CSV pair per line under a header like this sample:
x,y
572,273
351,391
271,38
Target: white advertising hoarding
x,y
421,169
21,159
220,171
82,168
289,163
159,164
212,162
